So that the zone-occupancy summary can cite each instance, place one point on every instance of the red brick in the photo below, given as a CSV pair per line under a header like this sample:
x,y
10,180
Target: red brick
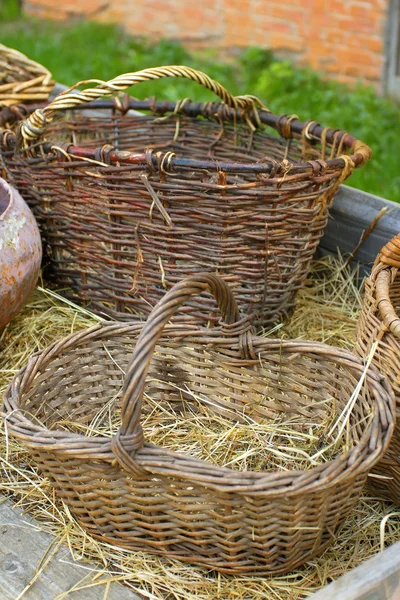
x,y
359,10
345,55
320,48
367,24
320,22
335,36
113,15
360,71
302,3
87,7
343,38
338,6
38,4
358,41
277,26
375,44
345,79
47,13
286,42
286,12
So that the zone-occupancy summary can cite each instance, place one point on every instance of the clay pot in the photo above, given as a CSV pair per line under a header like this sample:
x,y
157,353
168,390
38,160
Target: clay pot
x,y
20,252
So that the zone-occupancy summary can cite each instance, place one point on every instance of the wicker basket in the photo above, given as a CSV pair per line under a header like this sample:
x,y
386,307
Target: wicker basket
x,y
22,80
139,496
129,205
379,321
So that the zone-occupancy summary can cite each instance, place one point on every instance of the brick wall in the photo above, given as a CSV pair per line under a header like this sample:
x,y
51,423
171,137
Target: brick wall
x,y
342,38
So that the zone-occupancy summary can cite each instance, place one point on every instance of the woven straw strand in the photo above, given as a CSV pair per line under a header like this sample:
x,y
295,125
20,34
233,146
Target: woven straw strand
x,y
35,125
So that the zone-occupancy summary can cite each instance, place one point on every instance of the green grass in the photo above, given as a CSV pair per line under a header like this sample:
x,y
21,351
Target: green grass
x,y
84,50
9,9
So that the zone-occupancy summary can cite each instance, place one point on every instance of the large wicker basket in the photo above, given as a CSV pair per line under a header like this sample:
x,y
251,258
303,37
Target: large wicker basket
x,y
380,322
130,493
22,80
129,205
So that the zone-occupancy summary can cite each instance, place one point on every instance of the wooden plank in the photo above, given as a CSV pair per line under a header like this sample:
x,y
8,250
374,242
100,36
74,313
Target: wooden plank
x,y
376,579
57,89
22,548
351,214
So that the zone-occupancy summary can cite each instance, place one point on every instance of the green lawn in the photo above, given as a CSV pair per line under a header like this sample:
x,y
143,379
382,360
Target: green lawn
x,y
85,50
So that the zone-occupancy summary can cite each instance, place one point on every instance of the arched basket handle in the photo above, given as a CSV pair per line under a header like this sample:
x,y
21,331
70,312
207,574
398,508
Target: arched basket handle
x,y
389,256
35,125
130,436
390,253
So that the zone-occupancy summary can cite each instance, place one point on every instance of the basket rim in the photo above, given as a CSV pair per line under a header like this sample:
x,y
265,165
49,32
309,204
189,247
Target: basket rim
x,y
12,54
37,87
160,462
286,125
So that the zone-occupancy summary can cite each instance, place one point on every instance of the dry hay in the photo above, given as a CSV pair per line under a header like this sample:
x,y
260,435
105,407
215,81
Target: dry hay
x,y
327,310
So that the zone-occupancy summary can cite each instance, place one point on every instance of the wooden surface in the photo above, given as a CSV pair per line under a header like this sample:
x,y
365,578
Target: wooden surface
x,y
22,548
376,579
351,214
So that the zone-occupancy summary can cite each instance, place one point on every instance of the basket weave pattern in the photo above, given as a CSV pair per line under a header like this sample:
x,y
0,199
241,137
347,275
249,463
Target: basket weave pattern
x,y
22,80
137,495
379,321
129,205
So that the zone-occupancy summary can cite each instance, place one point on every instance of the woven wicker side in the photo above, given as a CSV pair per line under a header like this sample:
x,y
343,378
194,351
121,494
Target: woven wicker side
x,y
129,206
138,495
379,321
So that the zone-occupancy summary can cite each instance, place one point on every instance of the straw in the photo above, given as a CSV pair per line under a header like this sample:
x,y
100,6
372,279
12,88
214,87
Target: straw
x,y
327,310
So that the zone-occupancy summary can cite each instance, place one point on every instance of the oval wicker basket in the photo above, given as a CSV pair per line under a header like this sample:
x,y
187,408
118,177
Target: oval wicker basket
x,y
22,80
380,321
138,495
128,205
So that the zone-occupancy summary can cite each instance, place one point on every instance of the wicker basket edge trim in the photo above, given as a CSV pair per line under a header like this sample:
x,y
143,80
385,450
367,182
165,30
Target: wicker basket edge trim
x,y
40,438
35,125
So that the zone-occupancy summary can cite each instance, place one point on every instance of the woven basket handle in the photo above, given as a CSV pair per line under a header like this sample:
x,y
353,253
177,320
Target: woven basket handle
x,y
35,125
130,436
390,256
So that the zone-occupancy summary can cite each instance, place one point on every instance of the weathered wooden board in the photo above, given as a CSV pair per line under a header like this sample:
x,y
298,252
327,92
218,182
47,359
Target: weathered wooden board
x,y
376,579
22,548
351,214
